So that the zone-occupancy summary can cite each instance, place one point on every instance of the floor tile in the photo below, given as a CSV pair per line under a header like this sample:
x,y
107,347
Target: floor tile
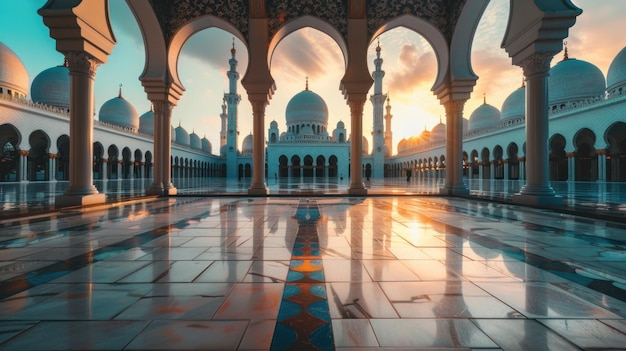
x,y
251,301
523,335
587,333
354,332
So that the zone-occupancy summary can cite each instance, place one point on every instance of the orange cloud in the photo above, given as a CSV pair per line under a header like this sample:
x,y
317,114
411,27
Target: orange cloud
x,y
414,70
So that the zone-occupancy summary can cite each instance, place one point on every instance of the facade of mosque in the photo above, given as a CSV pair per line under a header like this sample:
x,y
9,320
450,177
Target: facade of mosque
x,y
587,124
587,133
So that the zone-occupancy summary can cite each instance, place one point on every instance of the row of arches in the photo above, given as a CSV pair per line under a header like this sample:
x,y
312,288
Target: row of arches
x,y
587,161
39,163
308,167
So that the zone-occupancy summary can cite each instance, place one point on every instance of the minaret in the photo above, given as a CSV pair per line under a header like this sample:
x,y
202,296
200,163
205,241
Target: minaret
x,y
378,101
388,133
223,130
232,100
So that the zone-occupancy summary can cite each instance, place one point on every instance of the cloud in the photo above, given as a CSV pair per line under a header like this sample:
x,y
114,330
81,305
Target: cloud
x,y
412,71
495,72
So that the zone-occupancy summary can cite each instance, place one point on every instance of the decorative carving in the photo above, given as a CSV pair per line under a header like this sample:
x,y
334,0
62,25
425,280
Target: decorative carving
x,y
454,107
173,14
162,109
81,62
442,14
334,12
538,63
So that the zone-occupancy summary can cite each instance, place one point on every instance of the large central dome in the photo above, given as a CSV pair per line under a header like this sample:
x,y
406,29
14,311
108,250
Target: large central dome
x,y
306,107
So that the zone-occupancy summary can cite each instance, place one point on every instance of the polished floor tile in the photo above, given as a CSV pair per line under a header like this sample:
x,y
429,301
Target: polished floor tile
x,y
395,272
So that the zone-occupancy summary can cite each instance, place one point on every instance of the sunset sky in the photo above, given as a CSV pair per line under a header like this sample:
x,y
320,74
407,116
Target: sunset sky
x,y
409,64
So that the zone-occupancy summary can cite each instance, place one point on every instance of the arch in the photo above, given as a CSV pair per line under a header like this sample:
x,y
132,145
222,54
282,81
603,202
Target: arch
x,y
98,160
475,161
558,158
126,162
513,161
113,154
283,166
188,30
615,137
303,22
37,167
586,160
137,164
10,139
461,44
307,171
433,36
247,170
295,166
148,165
484,157
498,171
63,158
332,166
320,166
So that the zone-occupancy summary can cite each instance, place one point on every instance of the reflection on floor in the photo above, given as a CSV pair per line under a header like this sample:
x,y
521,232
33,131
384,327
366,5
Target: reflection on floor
x,y
399,272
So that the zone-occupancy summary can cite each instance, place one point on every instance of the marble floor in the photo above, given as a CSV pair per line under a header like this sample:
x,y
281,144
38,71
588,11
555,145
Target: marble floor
x,y
312,273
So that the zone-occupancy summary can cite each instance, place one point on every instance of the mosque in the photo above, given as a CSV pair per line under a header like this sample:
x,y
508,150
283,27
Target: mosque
x,y
587,141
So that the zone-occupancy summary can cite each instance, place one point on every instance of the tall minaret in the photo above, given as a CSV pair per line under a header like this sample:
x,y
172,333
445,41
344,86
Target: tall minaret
x,y
378,101
388,133
223,131
232,100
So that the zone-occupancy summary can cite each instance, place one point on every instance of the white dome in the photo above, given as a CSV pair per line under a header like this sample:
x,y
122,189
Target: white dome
x,y
146,123
182,137
194,141
616,76
484,117
274,125
574,80
13,74
52,87
306,106
206,145
247,145
438,133
515,104
119,112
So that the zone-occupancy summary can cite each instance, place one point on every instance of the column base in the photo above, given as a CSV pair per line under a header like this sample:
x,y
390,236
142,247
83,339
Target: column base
x,y
538,200
159,190
79,200
454,190
357,190
258,190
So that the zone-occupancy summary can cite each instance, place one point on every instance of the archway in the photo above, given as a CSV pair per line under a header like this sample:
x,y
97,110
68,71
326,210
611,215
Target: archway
x,y
98,153
513,161
9,156
616,157
63,158
307,171
558,158
498,171
586,160
295,167
113,164
486,163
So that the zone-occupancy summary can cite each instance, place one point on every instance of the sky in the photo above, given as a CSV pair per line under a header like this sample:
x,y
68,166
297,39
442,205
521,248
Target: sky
x,y
409,63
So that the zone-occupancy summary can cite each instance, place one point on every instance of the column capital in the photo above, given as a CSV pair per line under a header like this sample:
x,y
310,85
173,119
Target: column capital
x,y
162,107
454,107
537,63
81,62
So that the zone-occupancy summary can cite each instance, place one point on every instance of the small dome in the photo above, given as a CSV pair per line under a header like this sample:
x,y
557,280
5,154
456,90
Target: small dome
x,y
341,125
206,145
194,141
13,74
182,137
438,133
52,87
273,125
402,145
484,117
514,105
423,137
616,76
365,145
306,106
119,112
247,145
574,80
146,123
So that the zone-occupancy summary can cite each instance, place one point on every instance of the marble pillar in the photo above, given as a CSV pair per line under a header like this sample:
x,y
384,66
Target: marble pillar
x,y
454,149
81,191
162,184
258,187
356,151
537,190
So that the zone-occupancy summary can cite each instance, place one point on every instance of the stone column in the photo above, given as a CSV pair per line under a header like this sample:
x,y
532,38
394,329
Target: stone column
x,y
23,176
571,166
601,164
537,190
356,150
81,191
505,167
258,187
52,165
162,184
454,149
